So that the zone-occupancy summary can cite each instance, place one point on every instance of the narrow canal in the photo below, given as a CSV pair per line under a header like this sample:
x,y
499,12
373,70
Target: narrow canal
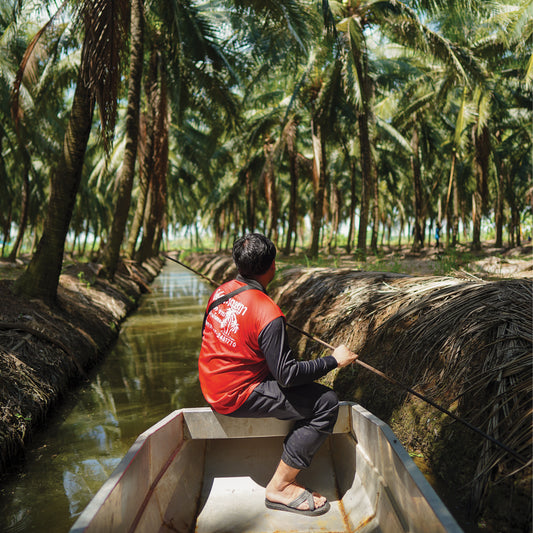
x,y
151,371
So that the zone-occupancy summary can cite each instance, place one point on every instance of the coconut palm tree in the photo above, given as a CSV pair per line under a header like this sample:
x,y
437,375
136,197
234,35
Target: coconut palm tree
x,y
16,140
97,81
156,164
506,49
146,141
125,179
34,98
191,63
322,100
400,23
410,125
251,160
11,51
104,27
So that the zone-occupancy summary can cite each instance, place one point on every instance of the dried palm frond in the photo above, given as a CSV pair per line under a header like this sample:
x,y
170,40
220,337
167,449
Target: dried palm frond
x,y
466,344
105,26
218,267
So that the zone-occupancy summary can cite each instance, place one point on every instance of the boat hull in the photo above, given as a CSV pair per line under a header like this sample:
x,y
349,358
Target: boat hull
x,y
199,471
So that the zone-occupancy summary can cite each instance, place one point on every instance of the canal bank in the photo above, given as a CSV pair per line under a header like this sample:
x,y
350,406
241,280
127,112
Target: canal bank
x,y
45,350
150,371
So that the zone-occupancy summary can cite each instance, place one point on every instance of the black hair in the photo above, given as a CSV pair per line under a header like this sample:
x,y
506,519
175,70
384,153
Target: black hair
x,y
253,254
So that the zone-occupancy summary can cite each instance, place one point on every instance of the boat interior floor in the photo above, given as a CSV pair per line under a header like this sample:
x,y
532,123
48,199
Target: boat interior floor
x,y
233,493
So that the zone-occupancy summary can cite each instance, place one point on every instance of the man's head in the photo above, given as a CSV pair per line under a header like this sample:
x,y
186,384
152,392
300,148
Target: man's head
x,y
253,254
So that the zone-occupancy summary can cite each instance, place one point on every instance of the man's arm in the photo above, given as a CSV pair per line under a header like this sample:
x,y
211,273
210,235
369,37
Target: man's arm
x,y
287,371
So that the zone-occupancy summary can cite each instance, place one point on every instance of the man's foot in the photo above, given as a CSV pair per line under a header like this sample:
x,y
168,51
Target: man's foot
x,y
284,493
296,497
303,504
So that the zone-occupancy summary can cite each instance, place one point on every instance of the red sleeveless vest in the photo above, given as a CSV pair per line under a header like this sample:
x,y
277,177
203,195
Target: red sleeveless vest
x,y
231,363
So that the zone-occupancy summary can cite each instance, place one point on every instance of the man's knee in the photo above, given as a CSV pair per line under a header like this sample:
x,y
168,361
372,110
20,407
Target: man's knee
x,y
328,407
329,400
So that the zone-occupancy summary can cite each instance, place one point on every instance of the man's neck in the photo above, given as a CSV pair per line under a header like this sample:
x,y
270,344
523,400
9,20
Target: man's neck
x,y
255,283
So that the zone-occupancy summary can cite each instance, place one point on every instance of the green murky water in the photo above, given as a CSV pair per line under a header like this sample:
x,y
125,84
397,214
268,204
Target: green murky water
x,y
151,371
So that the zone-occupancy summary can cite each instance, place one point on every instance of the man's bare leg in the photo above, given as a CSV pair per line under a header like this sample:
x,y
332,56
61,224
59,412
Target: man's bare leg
x,y
283,487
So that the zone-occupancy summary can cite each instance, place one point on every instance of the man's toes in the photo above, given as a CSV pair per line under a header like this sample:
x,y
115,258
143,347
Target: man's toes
x,y
319,500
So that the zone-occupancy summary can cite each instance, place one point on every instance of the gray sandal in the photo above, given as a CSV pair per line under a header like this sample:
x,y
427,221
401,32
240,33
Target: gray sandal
x,y
293,506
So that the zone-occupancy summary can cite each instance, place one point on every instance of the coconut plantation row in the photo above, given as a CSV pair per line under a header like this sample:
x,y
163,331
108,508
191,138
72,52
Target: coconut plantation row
x,y
304,120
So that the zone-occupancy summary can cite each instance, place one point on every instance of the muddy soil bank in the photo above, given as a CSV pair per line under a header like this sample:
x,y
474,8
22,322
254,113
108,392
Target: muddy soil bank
x,y
466,344
45,350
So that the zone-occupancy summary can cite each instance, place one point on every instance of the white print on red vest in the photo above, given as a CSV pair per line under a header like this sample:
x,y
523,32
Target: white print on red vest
x,y
226,315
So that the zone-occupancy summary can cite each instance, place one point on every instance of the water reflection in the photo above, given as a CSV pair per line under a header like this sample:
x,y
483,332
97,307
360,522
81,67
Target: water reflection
x,y
151,371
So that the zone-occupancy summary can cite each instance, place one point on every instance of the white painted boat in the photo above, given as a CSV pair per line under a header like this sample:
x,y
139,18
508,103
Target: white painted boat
x,y
199,471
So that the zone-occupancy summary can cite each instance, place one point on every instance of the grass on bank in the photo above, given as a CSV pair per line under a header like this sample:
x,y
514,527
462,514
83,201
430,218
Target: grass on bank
x,y
429,262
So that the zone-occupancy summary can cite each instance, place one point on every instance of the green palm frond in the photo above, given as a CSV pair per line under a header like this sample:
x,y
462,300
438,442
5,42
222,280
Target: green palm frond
x,y
28,61
411,108
287,13
394,134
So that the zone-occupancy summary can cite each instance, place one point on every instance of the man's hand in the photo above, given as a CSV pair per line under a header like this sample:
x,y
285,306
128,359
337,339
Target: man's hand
x,y
344,356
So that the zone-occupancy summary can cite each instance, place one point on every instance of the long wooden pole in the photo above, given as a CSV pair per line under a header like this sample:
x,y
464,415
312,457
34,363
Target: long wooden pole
x,y
516,455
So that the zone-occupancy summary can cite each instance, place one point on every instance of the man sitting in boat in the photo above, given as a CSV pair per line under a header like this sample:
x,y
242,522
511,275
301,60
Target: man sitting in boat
x,y
247,369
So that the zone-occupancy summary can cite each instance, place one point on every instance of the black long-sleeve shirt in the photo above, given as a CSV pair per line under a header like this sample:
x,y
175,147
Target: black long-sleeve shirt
x,y
285,369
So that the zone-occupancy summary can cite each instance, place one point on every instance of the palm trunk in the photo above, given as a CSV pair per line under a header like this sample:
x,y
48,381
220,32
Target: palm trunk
x,y
147,159
319,175
125,180
335,218
500,202
367,163
500,196
155,207
402,226
144,185
353,202
455,217
5,218
154,219
25,207
353,197
292,131
514,221
418,240
86,237
365,184
162,172
250,201
6,228
41,278
482,154
375,211
217,229
293,204
269,177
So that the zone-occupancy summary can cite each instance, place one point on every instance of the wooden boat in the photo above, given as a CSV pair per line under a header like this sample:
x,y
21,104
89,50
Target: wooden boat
x,y
199,471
